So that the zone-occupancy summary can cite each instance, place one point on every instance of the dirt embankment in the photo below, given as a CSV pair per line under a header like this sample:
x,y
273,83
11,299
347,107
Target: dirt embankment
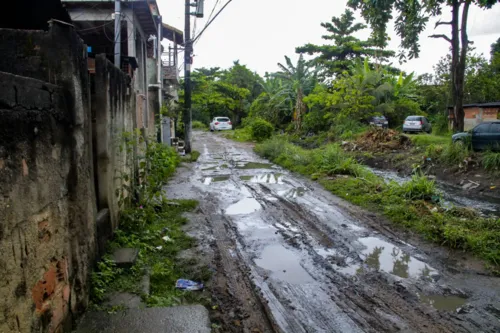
x,y
391,150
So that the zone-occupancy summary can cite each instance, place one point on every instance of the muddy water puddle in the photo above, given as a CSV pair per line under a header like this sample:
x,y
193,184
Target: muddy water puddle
x,y
244,206
440,302
284,264
380,255
293,192
214,179
269,178
253,165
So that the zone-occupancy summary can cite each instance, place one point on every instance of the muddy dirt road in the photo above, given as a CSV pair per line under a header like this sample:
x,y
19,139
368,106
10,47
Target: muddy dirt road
x,y
291,257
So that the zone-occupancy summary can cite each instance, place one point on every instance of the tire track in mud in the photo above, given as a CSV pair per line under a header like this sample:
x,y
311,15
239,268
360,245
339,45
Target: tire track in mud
x,y
307,253
379,308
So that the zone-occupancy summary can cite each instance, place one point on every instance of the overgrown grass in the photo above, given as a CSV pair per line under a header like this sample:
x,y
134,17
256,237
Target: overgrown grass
x,y
346,130
424,140
491,160
411,204
192,157
199,125
153,225
450,154
240,134
156,231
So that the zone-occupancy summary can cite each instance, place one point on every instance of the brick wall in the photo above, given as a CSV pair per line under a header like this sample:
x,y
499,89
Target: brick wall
x,y
47,199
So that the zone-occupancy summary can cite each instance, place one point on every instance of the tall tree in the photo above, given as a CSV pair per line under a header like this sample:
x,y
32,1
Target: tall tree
x,y
242,77
298,80
411,20
339,56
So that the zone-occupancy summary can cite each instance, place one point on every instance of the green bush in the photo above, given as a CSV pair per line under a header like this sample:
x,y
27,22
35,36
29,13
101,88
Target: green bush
x,y
346,129
240,134
199,125
418,188
261,129
333,160
491,160
271,148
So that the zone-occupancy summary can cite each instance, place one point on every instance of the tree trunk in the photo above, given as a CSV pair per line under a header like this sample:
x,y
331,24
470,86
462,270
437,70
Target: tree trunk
x,y
299,109
459,46
459,106
455,49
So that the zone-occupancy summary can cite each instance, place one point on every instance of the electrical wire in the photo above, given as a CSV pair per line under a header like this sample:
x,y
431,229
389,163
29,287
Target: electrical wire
x,y
210,22
209,17
213,10
95,28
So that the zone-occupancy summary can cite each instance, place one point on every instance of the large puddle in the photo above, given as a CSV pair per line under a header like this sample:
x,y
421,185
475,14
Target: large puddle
x,y
380,255
253,165
214,179
284,264
440,302
242,207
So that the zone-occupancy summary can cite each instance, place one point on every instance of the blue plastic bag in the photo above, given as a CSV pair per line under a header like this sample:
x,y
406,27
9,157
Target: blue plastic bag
x,y
188,285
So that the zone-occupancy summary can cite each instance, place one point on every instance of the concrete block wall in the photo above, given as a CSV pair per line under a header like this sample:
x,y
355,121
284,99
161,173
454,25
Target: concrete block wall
x,y
47,199
114,103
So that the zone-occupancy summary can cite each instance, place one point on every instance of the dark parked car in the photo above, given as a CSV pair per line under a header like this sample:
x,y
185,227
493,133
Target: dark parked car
x,y
379,121
483,136
417,124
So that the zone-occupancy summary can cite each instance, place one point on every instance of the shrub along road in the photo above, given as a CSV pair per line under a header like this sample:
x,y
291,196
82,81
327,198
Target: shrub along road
x,y
292,257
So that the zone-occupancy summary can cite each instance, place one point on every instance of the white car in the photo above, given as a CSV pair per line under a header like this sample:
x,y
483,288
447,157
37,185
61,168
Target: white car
x,y
221,123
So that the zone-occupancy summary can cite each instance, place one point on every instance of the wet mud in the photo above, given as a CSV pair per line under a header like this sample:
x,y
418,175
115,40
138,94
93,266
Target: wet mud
x,y
291,257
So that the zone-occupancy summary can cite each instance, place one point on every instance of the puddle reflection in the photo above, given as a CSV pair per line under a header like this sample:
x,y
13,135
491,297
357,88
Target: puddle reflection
x,y
383,256
269,178
293,193
440,302
209,180
245,206
284,264
254,165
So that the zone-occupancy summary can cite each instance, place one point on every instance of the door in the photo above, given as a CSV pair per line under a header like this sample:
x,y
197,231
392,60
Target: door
x,y
480,136
494,136
427,124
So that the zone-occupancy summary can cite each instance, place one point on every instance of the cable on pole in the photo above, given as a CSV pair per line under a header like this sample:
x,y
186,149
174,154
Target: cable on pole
x,y
210,22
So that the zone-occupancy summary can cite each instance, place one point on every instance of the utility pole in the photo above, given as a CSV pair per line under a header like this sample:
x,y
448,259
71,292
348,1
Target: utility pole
x,y
187,79
118,30
188,50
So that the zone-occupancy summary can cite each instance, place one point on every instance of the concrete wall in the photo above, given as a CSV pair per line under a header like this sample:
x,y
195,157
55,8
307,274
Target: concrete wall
x,y
47,199
114,105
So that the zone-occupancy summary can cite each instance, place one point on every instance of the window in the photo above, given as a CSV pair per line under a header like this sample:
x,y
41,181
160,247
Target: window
x,y
222,119
413,118
483,128
495,128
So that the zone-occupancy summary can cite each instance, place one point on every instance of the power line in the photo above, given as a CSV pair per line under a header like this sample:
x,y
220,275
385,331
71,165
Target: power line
x,y
210,16
213,10
210,22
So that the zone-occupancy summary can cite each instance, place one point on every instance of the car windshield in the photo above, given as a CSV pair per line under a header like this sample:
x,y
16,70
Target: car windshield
x,y
379,118
413,118
222,119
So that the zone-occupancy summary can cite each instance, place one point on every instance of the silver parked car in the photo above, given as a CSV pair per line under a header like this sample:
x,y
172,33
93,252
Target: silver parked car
x,y
417,124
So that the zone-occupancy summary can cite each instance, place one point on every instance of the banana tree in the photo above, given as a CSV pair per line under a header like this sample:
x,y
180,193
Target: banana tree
x,y
298,81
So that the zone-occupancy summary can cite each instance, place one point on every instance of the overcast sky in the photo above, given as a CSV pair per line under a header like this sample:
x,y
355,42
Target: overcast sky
x,y
259,33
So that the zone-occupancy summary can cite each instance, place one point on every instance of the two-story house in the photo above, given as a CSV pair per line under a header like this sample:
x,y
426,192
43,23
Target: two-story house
x,y
140,48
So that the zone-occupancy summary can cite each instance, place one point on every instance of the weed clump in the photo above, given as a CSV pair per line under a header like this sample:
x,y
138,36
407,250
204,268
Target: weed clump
x,y
261,129
491,160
